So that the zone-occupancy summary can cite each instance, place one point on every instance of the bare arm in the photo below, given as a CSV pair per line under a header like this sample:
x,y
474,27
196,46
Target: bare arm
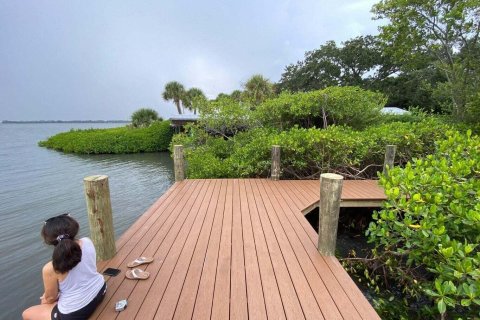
x,y
50,283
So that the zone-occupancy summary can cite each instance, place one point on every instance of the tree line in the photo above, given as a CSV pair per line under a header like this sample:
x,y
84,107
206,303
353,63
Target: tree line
x,y
426,56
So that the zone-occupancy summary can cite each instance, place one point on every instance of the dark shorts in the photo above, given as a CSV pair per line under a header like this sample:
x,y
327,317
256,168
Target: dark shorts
x,y
83,313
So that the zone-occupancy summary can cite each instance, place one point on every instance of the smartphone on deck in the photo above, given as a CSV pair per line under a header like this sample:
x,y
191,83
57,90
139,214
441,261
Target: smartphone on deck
x,y
111,272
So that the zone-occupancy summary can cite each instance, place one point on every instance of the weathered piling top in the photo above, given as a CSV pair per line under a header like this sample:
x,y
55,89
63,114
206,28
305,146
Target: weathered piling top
x,y
235,249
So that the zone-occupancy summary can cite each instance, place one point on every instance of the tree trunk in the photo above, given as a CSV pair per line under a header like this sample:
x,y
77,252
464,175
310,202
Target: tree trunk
x,y
177,103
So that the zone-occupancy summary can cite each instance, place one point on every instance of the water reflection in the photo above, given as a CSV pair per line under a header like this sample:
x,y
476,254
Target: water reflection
x,y
37,183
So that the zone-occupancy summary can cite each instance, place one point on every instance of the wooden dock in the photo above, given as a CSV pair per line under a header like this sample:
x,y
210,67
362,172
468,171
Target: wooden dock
x,y
235,249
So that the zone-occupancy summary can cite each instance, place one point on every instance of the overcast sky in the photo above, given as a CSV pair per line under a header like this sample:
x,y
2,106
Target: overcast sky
x,y
104,59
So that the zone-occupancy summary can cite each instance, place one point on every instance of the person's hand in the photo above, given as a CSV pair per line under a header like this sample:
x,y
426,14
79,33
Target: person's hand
x,y
42,299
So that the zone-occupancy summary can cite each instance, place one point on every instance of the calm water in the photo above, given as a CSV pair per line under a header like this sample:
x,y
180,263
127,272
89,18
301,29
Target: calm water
x,y
37,183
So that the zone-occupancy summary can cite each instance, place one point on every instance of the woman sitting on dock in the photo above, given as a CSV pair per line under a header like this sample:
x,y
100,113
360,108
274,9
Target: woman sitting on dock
x,y
73,287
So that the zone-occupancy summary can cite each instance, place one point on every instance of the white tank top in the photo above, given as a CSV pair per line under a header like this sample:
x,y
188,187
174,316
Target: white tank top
x,y
82,283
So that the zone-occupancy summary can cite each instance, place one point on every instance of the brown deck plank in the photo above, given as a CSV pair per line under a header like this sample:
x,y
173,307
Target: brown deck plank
x,y
161,218
290,299
159,246
186,301
238,287
171,249
145,219
308,302
349,288
361,303
235,249
256,302
221,296
299,201
121,286
204,299
273,300
174,287
329,293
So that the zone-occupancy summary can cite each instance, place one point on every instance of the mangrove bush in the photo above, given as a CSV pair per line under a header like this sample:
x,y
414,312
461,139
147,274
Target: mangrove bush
x,y
156,137
306,152
427,237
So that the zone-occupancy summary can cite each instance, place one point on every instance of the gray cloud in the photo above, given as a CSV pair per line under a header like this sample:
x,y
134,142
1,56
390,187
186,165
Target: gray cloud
x,y
105,59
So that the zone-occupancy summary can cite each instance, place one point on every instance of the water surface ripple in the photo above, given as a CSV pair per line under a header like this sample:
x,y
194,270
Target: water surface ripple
x,y
37,183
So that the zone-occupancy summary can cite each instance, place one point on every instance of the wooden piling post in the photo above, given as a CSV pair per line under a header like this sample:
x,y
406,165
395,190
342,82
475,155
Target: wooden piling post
x,y
179,163
330,196
275,162
389,158
99,209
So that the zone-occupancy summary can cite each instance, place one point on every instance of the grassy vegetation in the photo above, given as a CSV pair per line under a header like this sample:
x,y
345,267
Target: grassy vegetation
x,y
154,138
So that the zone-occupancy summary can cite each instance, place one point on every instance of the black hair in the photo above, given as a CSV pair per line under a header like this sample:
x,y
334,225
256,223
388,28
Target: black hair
x,y
60,231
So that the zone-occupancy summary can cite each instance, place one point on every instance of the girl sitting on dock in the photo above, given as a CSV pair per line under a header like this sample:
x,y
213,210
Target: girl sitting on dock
x,y
73,287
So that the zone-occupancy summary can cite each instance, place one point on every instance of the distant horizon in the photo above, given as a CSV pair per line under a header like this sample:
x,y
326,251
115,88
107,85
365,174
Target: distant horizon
x,y
66,121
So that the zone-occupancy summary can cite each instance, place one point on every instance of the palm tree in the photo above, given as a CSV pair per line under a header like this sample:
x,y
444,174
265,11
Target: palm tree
x,y
144,117
258,89
174,91
236,95
193,98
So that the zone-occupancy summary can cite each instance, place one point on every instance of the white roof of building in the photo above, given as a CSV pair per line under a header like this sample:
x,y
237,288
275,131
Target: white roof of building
x,y
393,110
185,117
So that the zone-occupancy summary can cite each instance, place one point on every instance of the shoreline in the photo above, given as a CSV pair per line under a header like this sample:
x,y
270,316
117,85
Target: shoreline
x,y
63,121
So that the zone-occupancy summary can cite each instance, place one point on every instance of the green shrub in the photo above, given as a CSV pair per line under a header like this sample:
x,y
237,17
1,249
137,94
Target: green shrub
x,y
225,116
427,236
306,152
144,117
349,106
156,137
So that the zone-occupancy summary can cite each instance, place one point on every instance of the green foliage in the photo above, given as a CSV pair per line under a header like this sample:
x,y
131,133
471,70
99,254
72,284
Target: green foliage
x,y
306,152
446,32
331,65
225,116
174,91
427,236
418,88
194,98
257,90
154,138
144,117
349,106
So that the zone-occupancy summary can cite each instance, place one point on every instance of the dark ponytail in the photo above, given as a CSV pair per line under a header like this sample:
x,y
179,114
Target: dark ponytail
x,y
61,231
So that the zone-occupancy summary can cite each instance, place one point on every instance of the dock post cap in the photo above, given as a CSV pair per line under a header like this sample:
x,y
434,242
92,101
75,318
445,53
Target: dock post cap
x,y
332,176
96,177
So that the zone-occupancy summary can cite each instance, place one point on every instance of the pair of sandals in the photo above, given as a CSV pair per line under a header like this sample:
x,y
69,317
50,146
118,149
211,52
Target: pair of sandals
x,y
137,273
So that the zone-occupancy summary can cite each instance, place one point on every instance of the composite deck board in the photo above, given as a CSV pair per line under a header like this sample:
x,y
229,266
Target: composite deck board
x,y
290,298
255,295
141,238
159,244
234,249
302,283
221,296
238,289
273,301
341,301
315,278
186,302
151,292
204,300
174,288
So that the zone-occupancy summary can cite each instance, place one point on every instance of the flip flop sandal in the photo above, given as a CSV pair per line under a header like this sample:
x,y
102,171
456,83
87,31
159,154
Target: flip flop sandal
x,y
137,274
139,261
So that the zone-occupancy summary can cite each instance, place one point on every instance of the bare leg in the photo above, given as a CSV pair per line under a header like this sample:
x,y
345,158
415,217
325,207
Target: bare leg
x,y
39,312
